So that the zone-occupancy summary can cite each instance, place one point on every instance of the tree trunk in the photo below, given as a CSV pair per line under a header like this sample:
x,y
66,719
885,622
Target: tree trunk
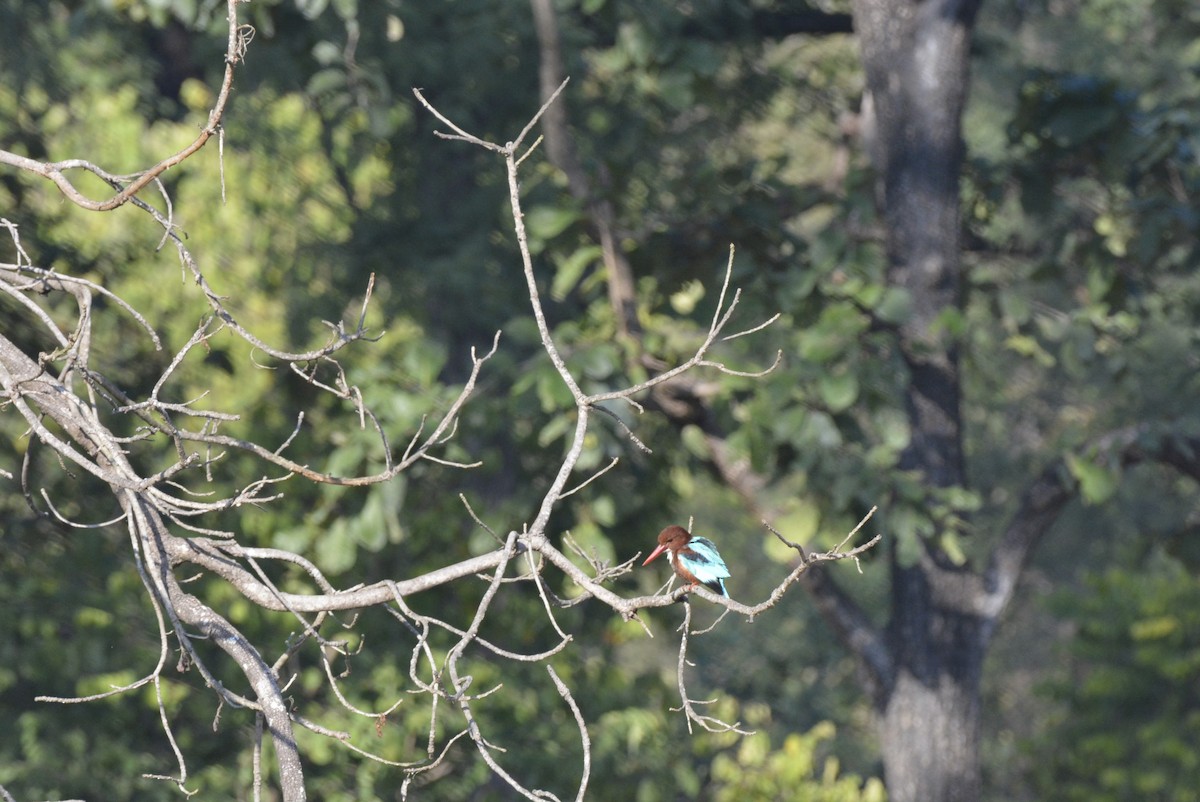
x,y
916,59
930,740
929,713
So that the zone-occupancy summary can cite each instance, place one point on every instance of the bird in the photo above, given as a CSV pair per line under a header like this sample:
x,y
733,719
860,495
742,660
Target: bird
x,y
695,559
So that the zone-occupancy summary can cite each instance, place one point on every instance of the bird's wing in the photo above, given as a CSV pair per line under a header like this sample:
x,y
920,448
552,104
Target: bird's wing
x,y
701,558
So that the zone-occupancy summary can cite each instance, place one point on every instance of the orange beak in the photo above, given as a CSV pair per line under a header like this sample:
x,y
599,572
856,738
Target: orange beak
x,y
654,554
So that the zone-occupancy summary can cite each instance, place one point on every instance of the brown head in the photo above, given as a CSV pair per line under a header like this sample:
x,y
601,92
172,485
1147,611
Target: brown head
x,y
673,538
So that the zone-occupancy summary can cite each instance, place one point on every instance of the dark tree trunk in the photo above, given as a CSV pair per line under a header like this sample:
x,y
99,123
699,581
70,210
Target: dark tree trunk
x,y
916,60
929,712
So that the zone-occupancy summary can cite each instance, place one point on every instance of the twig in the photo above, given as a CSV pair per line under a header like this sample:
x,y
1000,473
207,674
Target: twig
x,y
565,693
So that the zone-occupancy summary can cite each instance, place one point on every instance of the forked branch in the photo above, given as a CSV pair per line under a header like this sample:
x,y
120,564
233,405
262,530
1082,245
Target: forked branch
x,y
70,406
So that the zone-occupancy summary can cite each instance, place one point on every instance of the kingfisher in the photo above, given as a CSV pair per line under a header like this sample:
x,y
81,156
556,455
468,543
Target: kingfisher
x,y
695,559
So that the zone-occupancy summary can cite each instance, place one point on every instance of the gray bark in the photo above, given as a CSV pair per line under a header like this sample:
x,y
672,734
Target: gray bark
x,y
916,60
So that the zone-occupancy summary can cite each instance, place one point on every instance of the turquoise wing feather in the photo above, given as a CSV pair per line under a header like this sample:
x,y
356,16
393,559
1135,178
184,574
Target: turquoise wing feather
x,y
701,559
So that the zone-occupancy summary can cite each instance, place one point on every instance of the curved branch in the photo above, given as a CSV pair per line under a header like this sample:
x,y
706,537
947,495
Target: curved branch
x,y
1054,488
238,39
65,413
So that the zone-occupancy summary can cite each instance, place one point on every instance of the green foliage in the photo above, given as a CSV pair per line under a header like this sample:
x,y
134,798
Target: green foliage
x,y
1079,314
1134,661
757,772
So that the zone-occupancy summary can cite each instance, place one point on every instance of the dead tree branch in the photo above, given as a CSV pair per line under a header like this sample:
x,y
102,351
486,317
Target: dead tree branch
x,y
73,408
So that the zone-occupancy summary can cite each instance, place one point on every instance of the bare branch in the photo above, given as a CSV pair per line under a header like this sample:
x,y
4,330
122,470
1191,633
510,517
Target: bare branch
x,y
180,530
462,135
687,705
565,693
591,478
239,37
721,317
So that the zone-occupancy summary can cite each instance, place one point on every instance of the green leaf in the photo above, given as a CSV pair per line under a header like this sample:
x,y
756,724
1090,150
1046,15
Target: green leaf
x,y
1156,628
552,392
838,390
908,548
592,540
547,222
423,361
597,362
799,523
1096,482
909,526
1015,307
326,53
327,81
604,508
896,306
571,269
1025,345
893,428
820,431
346,460
951,546
684,301
556,428
950,320
959,498
788,424
346,9
311,8
694,441
336,550
370,528
835,331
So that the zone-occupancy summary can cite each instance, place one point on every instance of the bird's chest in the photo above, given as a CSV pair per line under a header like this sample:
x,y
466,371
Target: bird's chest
x,y
682,564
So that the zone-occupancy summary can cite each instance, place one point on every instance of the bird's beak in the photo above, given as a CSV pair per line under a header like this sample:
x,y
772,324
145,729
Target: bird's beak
x,y
654,554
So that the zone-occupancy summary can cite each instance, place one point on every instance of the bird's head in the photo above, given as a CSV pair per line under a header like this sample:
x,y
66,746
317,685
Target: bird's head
x,y
673,538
